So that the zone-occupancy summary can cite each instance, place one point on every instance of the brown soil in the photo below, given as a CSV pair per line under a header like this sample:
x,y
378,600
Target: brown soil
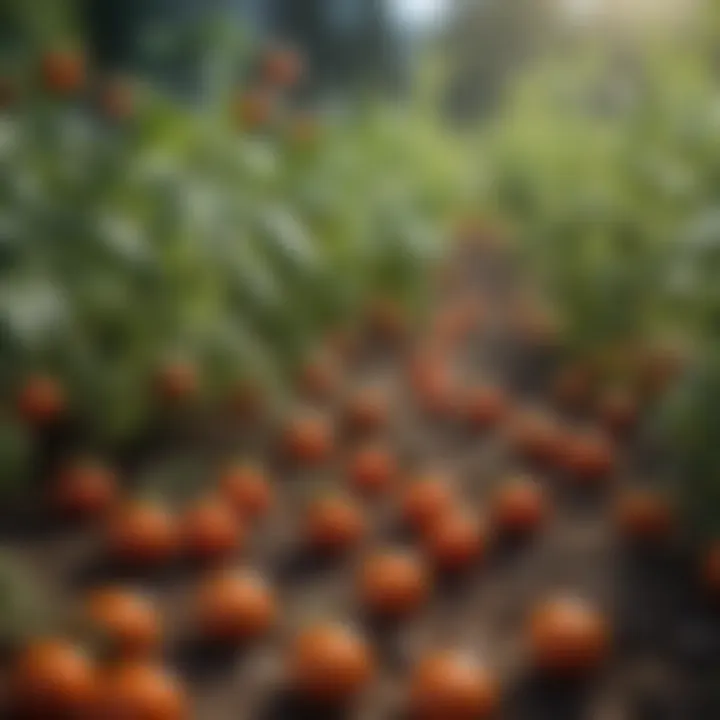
x,y
666,656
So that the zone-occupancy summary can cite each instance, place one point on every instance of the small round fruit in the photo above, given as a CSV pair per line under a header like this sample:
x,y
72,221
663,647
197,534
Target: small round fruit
x,y
211,531
368,410
435,386
282,66
537,437
424,501
84,489
588,456
573,386
393,584
177,382
644,517
117,99
710,570
127,621
51,679
456,541
373,469
452,686
318,378
254,109
519,507
308,440
567,636
486,405
41,401
618,410
142,534
141,691
329,664
334,525
247,489
63,72
235,607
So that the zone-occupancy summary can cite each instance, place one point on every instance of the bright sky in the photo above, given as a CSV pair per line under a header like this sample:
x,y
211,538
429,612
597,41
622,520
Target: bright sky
x,y
418,11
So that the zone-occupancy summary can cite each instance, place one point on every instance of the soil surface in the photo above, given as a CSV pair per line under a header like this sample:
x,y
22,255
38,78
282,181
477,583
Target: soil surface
x,y
666,657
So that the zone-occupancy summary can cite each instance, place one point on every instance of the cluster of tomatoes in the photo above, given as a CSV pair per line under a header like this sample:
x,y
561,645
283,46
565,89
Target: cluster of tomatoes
x,y
330,663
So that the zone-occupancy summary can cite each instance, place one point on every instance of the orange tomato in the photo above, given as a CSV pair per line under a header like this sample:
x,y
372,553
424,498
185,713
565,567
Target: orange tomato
x,y
247,489
424,501
393,584
127,620
334,525
142,534
452,686
84,489
211,531
235,607
41,400
63,72
568,636
456,541
308,440
141,691
51,678
330,664
373,469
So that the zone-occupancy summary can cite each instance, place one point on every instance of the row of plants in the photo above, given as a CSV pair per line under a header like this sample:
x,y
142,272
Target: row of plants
x,y
608,172
152,248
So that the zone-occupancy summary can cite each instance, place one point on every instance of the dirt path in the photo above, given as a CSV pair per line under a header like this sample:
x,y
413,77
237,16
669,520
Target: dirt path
x,y
666,661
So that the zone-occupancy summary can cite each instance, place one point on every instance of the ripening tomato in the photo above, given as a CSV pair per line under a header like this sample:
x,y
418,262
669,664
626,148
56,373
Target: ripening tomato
x,y
394,584
235,607
254,109
211,531
51,678
387,320
308,440
63,72
537,437
373,469
424,501
334,525
485,406
368,410
141,691
644,517
142,534
452,686
329,664
84,489
456,541
282,66
573,386
568,636
177,382
41,401
117,99
588,456
126,620
247,489
519,507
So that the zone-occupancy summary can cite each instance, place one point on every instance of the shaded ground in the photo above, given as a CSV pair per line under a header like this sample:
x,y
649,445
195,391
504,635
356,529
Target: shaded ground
x,y
666,662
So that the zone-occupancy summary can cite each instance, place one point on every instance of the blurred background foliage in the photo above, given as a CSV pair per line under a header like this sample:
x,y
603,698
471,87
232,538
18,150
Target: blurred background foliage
x,y
591,127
